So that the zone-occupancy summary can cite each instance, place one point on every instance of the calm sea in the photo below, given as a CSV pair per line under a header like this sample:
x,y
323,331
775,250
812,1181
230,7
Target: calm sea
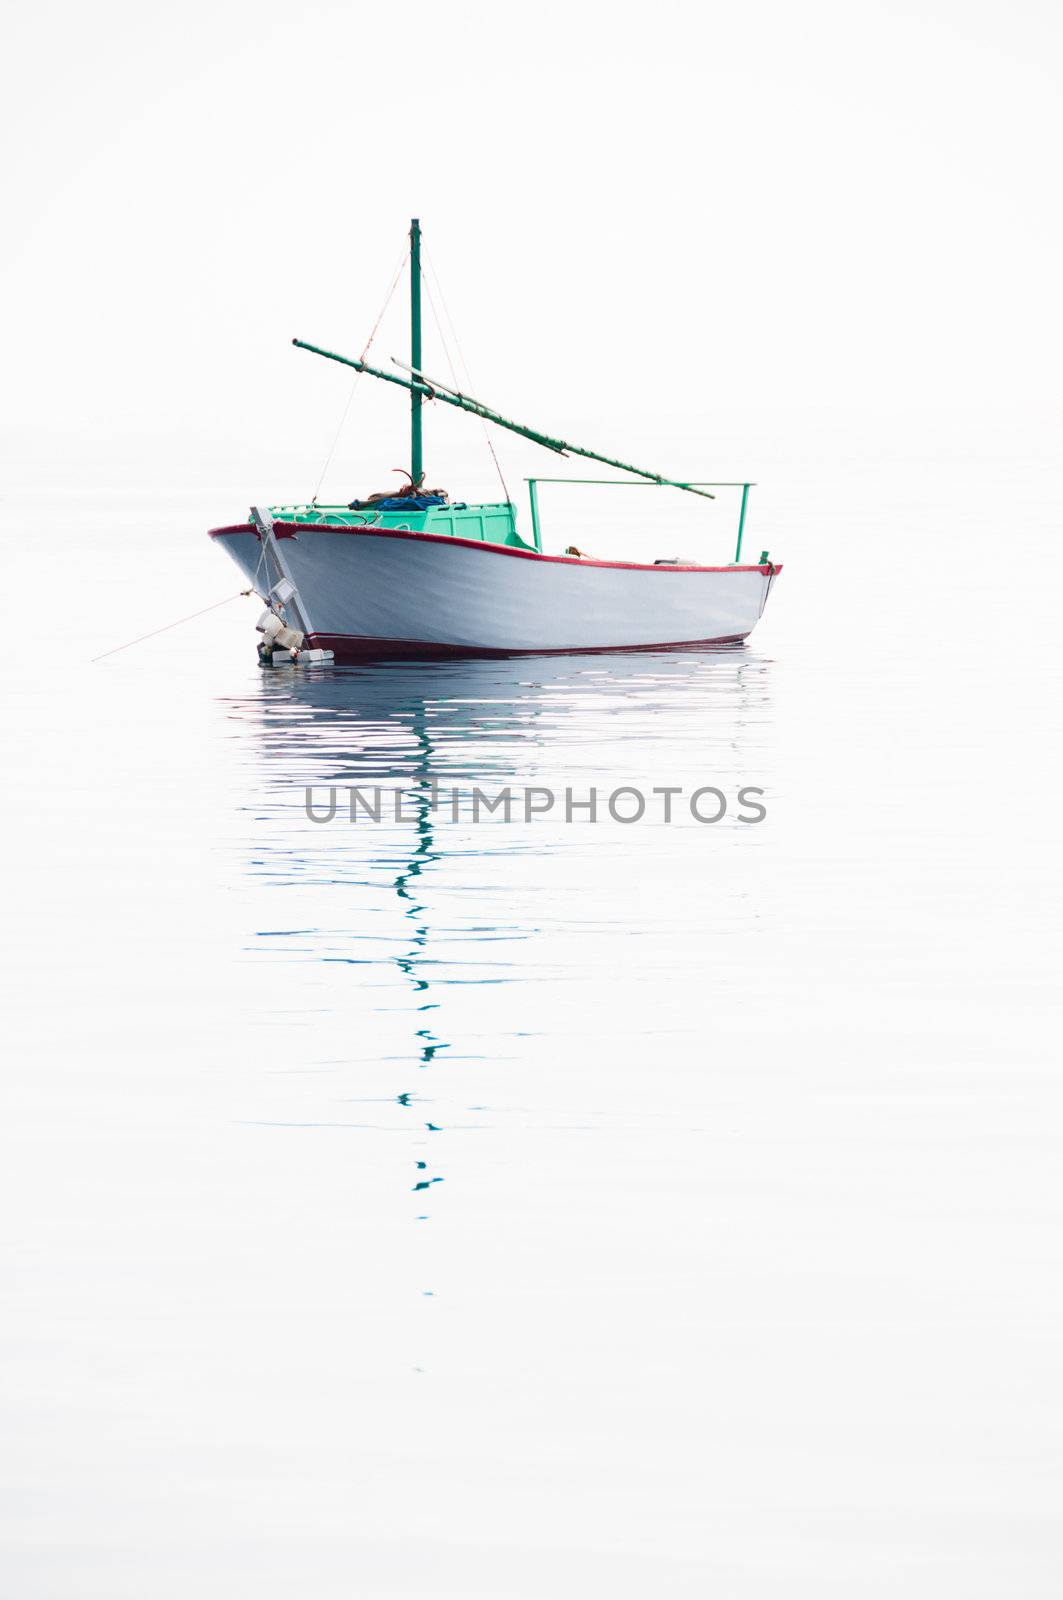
x,y
426,1207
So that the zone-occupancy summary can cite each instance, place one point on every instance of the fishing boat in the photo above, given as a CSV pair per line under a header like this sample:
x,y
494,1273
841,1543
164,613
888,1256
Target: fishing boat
x,y
413,573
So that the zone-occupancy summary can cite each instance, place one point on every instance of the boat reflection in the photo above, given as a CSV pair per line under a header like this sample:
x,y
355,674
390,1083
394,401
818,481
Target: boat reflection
x,y
426,727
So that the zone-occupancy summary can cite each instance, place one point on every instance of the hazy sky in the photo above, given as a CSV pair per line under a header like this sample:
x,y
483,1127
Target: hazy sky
x,y
689,232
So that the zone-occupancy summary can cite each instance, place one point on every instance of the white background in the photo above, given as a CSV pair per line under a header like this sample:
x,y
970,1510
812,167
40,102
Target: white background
x,y
705,230
743,1276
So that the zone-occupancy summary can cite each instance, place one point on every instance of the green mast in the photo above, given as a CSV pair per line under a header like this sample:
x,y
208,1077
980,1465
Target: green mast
x,y
416,395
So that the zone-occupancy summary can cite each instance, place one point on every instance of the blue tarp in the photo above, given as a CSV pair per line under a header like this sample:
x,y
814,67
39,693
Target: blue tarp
x,y
400,502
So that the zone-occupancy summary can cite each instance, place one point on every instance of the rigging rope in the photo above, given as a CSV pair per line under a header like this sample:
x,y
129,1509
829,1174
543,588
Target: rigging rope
x,y
167,626
470,387
358,375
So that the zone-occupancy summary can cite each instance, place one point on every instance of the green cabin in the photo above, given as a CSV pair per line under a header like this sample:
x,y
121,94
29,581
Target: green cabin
x,y
487,524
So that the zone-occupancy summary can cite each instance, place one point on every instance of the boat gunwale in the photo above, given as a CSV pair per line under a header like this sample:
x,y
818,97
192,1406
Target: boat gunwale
x,y
294,530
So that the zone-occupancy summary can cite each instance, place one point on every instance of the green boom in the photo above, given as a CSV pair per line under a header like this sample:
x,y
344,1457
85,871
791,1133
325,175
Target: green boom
x,y
463,403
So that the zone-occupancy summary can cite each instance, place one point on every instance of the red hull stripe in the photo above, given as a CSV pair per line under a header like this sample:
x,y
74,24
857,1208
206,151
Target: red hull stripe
x,y
292,530
354,647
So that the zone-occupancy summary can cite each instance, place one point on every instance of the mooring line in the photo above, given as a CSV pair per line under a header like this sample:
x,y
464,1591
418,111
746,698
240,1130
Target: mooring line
x,y
166,628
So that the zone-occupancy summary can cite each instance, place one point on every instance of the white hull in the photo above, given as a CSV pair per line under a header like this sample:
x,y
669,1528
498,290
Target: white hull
x,y
396,593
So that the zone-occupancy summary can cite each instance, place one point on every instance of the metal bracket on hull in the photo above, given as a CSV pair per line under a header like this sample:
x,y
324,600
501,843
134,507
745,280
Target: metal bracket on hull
x,y
282,598
283,594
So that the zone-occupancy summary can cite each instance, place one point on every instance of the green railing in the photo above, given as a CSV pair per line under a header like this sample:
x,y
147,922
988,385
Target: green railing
x,y
635,483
